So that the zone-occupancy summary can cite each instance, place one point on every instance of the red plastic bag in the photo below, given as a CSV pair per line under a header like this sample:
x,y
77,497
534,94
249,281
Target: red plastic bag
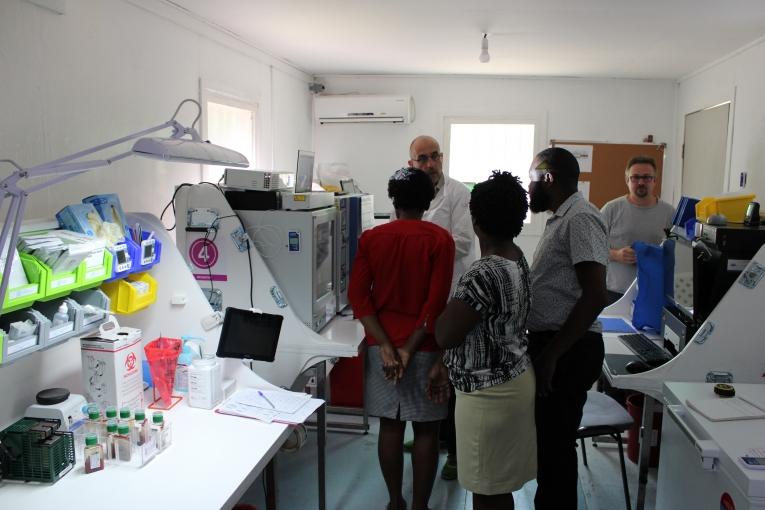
x,y
162,356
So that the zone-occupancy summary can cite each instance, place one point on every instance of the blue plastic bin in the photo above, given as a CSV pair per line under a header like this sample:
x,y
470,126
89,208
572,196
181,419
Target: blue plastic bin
x,y
147,254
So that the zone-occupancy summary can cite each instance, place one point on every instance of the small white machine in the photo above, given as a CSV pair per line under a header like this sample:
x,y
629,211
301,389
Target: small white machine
x,y
68,411
258,180
307,201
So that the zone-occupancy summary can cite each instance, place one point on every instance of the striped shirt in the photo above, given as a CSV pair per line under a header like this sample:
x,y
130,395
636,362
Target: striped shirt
x,y
494,351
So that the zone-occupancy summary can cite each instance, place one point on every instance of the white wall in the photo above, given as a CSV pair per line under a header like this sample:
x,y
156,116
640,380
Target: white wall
x,y
574,109
739,78
103,70
107,68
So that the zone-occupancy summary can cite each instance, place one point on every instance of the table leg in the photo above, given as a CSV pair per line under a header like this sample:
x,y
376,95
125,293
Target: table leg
x,y
270,475
646,438
321,430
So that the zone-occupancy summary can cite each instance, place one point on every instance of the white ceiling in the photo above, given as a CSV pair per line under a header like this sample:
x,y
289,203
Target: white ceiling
x,y
598,38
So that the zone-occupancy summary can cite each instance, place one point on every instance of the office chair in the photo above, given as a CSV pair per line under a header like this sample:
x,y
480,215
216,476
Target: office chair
x,y
603,416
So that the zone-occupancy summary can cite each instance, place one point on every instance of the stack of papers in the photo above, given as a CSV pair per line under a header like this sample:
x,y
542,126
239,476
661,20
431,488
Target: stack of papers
x,y
63,250
271,405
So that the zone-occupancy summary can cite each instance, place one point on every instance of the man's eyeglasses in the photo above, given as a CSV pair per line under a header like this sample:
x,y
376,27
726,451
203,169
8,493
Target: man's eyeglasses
x,y
538,175
423,158
637,178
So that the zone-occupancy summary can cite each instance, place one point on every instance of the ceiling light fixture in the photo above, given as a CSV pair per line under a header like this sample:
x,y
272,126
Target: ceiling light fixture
x,y
484,56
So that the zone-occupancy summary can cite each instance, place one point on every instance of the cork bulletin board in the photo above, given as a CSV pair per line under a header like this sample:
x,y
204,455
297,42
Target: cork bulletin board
x,y
607,162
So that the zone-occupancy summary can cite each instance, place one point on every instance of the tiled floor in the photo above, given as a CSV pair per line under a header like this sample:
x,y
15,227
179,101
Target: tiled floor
x,y
353,479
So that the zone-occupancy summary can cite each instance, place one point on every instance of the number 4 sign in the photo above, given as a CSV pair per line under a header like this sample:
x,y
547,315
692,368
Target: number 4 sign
x,y
203,253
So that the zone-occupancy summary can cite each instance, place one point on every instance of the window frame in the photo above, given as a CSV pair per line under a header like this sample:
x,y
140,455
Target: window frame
x,y
215,95
536,226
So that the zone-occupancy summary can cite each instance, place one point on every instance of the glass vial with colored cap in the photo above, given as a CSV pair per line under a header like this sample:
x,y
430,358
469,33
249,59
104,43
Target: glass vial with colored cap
x,y
160,430
94,454
141,429
122,443
111,432
125,416
93,425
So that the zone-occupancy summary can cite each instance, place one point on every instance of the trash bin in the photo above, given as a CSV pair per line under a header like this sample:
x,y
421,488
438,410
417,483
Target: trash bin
x,y
635,408
346,383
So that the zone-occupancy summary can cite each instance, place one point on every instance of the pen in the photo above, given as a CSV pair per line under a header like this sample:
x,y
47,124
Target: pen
x,y
266,399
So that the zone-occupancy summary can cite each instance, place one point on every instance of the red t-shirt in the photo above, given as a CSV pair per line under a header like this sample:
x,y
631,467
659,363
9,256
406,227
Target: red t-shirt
x,y
402,273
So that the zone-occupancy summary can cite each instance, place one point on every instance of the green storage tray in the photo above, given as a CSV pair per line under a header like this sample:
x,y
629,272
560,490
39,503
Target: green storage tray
x,y
34,460
56,285
88,278
24,296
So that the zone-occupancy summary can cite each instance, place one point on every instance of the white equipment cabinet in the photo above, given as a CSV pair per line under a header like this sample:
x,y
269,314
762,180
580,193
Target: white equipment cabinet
x,y
699,466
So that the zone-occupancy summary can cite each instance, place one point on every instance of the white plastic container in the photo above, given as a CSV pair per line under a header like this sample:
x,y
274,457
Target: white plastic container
x,y
61,316
205,383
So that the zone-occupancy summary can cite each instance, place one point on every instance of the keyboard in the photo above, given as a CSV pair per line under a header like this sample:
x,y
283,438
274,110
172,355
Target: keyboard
x,y
645,349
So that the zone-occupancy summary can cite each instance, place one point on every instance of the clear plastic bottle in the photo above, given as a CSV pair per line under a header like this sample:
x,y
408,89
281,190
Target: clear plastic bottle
x,y
61,316
160,430
122,443
111,433
94,425
94,454
141,429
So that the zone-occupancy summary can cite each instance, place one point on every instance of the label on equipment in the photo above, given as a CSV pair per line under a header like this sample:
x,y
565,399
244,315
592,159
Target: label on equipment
x,y
751,276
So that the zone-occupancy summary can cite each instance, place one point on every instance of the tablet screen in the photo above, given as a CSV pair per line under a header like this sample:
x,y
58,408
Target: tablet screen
x,y
249,335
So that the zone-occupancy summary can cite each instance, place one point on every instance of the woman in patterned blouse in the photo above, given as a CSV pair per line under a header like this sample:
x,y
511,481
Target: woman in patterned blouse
x,y
483,328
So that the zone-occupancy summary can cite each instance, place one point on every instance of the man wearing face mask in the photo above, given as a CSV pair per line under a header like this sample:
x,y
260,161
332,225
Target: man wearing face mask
x,y
637,216
568,291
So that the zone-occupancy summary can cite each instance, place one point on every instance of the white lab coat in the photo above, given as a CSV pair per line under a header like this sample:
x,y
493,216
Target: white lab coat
x,y
450,209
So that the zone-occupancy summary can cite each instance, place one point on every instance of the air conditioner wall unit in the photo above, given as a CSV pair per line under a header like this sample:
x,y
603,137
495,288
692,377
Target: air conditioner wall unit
x,y
363,108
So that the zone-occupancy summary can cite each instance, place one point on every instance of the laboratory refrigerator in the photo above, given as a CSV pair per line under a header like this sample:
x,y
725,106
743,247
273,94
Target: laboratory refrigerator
x,y
699,466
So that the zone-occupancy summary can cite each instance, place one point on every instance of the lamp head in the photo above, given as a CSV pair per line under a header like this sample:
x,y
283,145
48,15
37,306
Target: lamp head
x,y
188,150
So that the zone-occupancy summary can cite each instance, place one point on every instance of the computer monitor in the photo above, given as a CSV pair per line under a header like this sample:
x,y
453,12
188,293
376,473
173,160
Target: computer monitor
x,y
249,335
304,172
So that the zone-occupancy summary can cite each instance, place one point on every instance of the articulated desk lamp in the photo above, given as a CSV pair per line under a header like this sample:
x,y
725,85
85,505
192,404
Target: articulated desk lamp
x,y
174,148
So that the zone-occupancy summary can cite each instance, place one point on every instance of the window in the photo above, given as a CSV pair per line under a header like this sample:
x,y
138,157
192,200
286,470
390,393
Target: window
x,y
477,148
230,123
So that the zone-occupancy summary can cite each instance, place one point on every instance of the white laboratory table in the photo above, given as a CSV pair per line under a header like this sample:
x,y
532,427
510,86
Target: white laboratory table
x,y
214,458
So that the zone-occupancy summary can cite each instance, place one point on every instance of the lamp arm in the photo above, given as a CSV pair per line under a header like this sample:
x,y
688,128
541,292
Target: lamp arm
x,y
14,218
42,169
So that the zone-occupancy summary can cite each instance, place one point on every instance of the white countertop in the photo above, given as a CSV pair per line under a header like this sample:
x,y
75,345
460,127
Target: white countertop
x,y
734,437
214,458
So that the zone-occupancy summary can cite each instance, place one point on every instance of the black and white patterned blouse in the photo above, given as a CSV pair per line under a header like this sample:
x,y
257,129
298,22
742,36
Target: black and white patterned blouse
x,y
494,351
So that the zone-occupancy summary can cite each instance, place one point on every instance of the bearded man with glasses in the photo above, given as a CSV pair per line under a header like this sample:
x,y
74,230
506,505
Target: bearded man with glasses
x,y
636,216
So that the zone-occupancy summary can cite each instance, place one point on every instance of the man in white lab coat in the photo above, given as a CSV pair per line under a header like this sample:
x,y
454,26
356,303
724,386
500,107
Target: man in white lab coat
x,y
450,209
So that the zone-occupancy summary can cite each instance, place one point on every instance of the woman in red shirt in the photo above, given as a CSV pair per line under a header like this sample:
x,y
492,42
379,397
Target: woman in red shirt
x,y
399,285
